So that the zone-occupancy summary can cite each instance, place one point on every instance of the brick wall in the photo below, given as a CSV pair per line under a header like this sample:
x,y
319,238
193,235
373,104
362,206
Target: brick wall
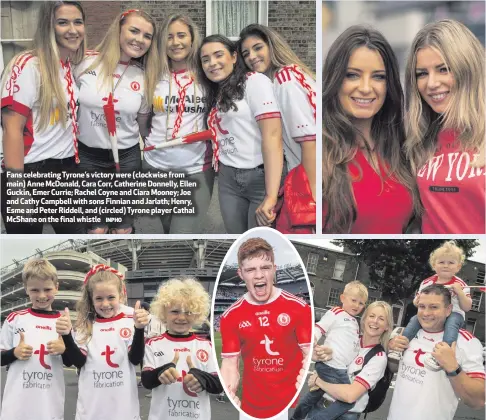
x,y
99,16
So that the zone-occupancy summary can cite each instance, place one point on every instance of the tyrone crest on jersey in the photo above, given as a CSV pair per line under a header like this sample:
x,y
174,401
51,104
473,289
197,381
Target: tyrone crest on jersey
x,y
202,355
283,319
125,333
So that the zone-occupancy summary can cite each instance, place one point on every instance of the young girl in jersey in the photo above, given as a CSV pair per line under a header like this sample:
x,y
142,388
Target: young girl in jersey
x,y
178,110
178,365
376,325
109,345
124,66
243,113
446,261
444,83
265,51
39,100
367,185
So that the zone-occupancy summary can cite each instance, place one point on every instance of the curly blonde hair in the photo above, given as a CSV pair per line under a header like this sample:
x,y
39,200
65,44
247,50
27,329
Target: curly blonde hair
x,y
447,248
186,291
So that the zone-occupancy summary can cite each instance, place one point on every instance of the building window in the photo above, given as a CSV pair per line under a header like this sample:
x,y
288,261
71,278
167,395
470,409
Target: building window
x,y
480,277
471,325
312,260
476,300
333,299
229,17
339,270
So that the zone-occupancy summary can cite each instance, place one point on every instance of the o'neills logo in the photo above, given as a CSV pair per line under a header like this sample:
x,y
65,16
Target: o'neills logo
x,y
107,329
183,349
43,327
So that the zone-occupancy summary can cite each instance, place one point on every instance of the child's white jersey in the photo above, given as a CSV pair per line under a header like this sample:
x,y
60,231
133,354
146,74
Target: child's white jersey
x,y
21,94
455,300
175,401
107,382
296,97
239,137
178,107
421,394
342,335
35,387
129,101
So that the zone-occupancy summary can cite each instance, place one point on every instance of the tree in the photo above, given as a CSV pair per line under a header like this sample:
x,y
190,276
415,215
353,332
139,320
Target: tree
x,y
397,266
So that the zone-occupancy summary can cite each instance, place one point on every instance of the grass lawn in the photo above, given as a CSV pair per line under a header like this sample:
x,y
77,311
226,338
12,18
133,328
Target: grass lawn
x,y
217,349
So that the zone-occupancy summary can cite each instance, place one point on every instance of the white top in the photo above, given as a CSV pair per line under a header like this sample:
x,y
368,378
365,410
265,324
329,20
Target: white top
x,y
188,158
238,134
421,394
34,387
176,400
21,94
455,300
342,335
129,98
368,375
107,382
296,97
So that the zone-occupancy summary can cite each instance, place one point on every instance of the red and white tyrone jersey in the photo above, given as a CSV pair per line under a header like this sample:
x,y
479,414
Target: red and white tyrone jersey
x,y
21,94
270,338
34,387
129,101
296,97
455,300
421,394
238,134
342,335
188,158
107,382
175,401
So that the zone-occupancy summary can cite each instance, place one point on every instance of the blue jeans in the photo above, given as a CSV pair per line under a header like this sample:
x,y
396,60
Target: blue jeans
x,y
337,408
451,328
319,413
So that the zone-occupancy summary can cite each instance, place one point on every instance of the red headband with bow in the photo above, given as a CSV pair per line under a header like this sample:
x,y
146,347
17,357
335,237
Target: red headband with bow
x,y
102,267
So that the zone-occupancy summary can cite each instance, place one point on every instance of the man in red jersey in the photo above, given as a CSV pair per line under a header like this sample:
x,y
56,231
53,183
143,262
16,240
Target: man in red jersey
x,y
270,329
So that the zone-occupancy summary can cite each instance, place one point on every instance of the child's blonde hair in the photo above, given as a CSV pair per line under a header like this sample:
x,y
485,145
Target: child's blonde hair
x,y
447,248
39,268
85,307
358,287
186,291
385,337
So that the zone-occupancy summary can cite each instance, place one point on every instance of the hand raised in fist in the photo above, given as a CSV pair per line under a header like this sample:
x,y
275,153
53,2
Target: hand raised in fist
x,y
56,347
171,375
63,323
23,351
190,380
140,316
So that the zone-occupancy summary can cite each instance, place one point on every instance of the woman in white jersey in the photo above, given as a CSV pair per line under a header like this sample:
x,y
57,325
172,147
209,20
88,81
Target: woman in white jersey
x,y
116,69
178,110
376,326
39,100
243,114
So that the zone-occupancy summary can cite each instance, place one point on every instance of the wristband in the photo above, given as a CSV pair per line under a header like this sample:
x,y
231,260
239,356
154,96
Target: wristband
x,y
454,372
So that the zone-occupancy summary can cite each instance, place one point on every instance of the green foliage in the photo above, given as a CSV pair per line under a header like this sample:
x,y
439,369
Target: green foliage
x,y
397,266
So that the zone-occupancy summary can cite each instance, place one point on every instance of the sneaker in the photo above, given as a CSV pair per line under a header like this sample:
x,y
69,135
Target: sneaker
x,y
430,363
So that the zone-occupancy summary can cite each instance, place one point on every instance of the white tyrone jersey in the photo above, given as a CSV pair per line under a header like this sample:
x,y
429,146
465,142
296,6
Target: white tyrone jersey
x,y
421,394
182,120
296,97
368,376
342,335
107,382
129,98
454,299
175,401
239,137
34,387
21,94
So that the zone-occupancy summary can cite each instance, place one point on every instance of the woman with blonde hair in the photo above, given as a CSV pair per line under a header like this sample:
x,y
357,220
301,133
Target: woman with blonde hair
x,y
178,110
376,326
39,104
178,365
444,83
116,83
265,51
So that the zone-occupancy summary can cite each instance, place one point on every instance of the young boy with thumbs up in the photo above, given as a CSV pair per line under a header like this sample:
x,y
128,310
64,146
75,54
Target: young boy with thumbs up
x,y
178,365
31,346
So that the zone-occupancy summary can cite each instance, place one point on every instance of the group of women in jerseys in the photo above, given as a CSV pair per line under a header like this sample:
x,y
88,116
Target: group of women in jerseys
x,y
68,109
418,168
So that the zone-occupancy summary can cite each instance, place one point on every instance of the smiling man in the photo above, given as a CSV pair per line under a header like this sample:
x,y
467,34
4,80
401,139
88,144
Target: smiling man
x,y
422,394
270,329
